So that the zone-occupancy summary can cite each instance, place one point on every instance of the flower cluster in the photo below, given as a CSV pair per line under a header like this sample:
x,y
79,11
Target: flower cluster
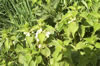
x,y
27,33
36,36
47,34
72,20
39,46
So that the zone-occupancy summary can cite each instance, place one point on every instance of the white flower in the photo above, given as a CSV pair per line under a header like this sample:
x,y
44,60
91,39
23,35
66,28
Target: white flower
x,y
47,34
69,22
13,42
37,40
39,46
25,39
72,20
50,45
28,34
36,36
32,31
39,31
25,33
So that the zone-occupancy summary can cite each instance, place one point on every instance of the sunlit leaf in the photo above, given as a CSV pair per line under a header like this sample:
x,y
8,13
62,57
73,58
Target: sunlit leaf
x,y
73,27
41,37
97,45
46,52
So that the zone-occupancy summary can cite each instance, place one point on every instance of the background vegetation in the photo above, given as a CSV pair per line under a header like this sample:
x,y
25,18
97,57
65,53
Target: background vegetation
x,y
49,32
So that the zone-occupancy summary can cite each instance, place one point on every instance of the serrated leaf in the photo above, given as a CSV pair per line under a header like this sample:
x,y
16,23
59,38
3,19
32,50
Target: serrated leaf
x,y
80,45
50,29
91,39
59,26
84,14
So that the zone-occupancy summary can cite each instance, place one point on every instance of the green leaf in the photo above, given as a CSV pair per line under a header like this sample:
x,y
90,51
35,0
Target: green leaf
x,y
82,31
19,48
85,4
66,42
13,38
33,1
30,40
46,52
41,37
84,14
28,57
59,26
73,27
21,59
90,46
97,45
91,39
3,63
56,52
64,63
89,20
59,57
80,45
7,46
38,59
50,29
57,43
11,63
48,1
53,62
95,14
83,61
55,3
96,26
32,63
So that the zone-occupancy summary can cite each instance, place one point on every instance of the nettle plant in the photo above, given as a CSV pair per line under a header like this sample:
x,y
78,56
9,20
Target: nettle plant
x,y
49,33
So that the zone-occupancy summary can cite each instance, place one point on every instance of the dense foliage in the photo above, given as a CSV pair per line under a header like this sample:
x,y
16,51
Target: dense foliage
x,y
49,32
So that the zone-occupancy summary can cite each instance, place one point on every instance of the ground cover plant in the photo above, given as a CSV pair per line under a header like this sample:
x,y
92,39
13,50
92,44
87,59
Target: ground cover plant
x,y
49,32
